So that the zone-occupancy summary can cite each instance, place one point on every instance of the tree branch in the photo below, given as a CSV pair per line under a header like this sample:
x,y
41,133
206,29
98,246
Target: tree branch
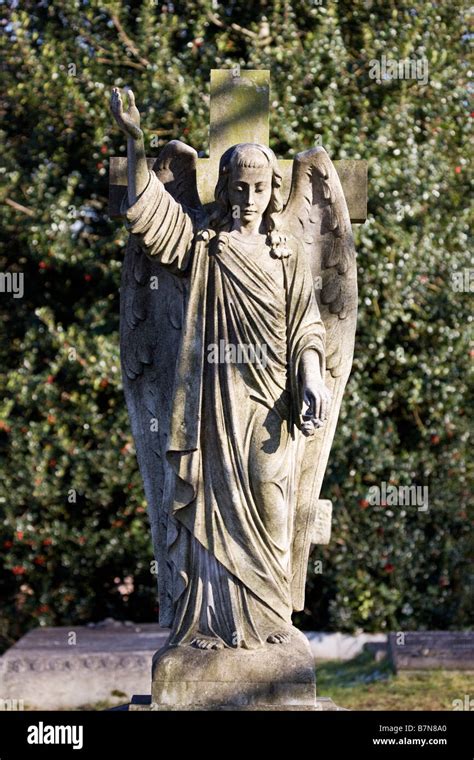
x,y
19,207
132,64
127,41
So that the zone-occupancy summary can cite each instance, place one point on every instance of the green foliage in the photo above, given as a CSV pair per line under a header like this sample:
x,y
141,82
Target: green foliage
x,y
73,524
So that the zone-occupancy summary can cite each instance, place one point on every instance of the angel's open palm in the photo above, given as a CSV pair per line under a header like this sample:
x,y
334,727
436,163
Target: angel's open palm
x,y
129,120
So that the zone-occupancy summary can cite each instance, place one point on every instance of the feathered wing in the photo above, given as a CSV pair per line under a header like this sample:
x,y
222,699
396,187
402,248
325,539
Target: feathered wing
x,y
317,214
152,303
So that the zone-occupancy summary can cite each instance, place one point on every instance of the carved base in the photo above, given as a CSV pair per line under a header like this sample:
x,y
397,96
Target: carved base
x,y
277,676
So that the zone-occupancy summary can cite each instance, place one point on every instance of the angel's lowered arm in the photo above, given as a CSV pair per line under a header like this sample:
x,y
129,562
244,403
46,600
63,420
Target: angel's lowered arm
x,y
306,336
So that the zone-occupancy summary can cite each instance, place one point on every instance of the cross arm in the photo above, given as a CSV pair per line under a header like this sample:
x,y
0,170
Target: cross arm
x,y
352,173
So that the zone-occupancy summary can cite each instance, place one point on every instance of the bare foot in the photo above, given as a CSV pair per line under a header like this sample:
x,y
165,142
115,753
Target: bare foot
x,y
202,643
279,638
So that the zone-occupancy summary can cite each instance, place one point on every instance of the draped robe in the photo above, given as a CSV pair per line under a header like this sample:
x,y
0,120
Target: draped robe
x,y
234,442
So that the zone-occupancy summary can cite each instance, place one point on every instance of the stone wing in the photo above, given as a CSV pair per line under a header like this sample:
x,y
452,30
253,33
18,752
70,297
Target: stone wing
x,y
317,214
152,302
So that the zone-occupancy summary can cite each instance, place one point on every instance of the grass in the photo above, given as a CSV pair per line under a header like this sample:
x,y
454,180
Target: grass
x,y
363,684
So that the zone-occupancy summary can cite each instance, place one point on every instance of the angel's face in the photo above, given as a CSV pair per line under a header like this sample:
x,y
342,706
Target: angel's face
x,y
250,191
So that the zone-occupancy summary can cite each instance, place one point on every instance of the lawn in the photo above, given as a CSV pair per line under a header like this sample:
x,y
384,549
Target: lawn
x,y
363,684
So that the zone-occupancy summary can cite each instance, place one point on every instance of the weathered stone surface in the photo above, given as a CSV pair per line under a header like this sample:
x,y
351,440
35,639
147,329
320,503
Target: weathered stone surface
x,y
276,675
48,671
322,525
239,112
422,650
354,181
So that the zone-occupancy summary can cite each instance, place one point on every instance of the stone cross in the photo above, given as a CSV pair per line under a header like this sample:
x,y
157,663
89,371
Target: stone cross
x,y
240,109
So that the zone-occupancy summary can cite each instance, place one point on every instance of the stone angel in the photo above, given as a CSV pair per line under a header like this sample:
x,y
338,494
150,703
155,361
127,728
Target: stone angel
x,y
233,450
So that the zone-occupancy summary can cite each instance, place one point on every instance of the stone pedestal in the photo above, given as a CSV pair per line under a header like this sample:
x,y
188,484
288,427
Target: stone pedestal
x,y
277,676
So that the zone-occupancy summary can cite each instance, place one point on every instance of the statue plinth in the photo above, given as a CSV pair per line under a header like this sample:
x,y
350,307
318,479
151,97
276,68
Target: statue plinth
x,y
277,676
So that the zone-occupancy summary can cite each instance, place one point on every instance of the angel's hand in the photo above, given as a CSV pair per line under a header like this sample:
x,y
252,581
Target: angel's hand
x,y
316,396
128,121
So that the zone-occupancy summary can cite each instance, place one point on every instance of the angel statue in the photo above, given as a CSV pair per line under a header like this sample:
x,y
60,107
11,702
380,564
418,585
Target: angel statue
x,y
237,333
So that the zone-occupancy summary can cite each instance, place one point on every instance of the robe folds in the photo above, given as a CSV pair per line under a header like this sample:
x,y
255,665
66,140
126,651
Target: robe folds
x,y
235,442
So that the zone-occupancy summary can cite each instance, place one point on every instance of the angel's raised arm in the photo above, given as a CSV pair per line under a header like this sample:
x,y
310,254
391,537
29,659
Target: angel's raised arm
x,y
163,205
129,122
